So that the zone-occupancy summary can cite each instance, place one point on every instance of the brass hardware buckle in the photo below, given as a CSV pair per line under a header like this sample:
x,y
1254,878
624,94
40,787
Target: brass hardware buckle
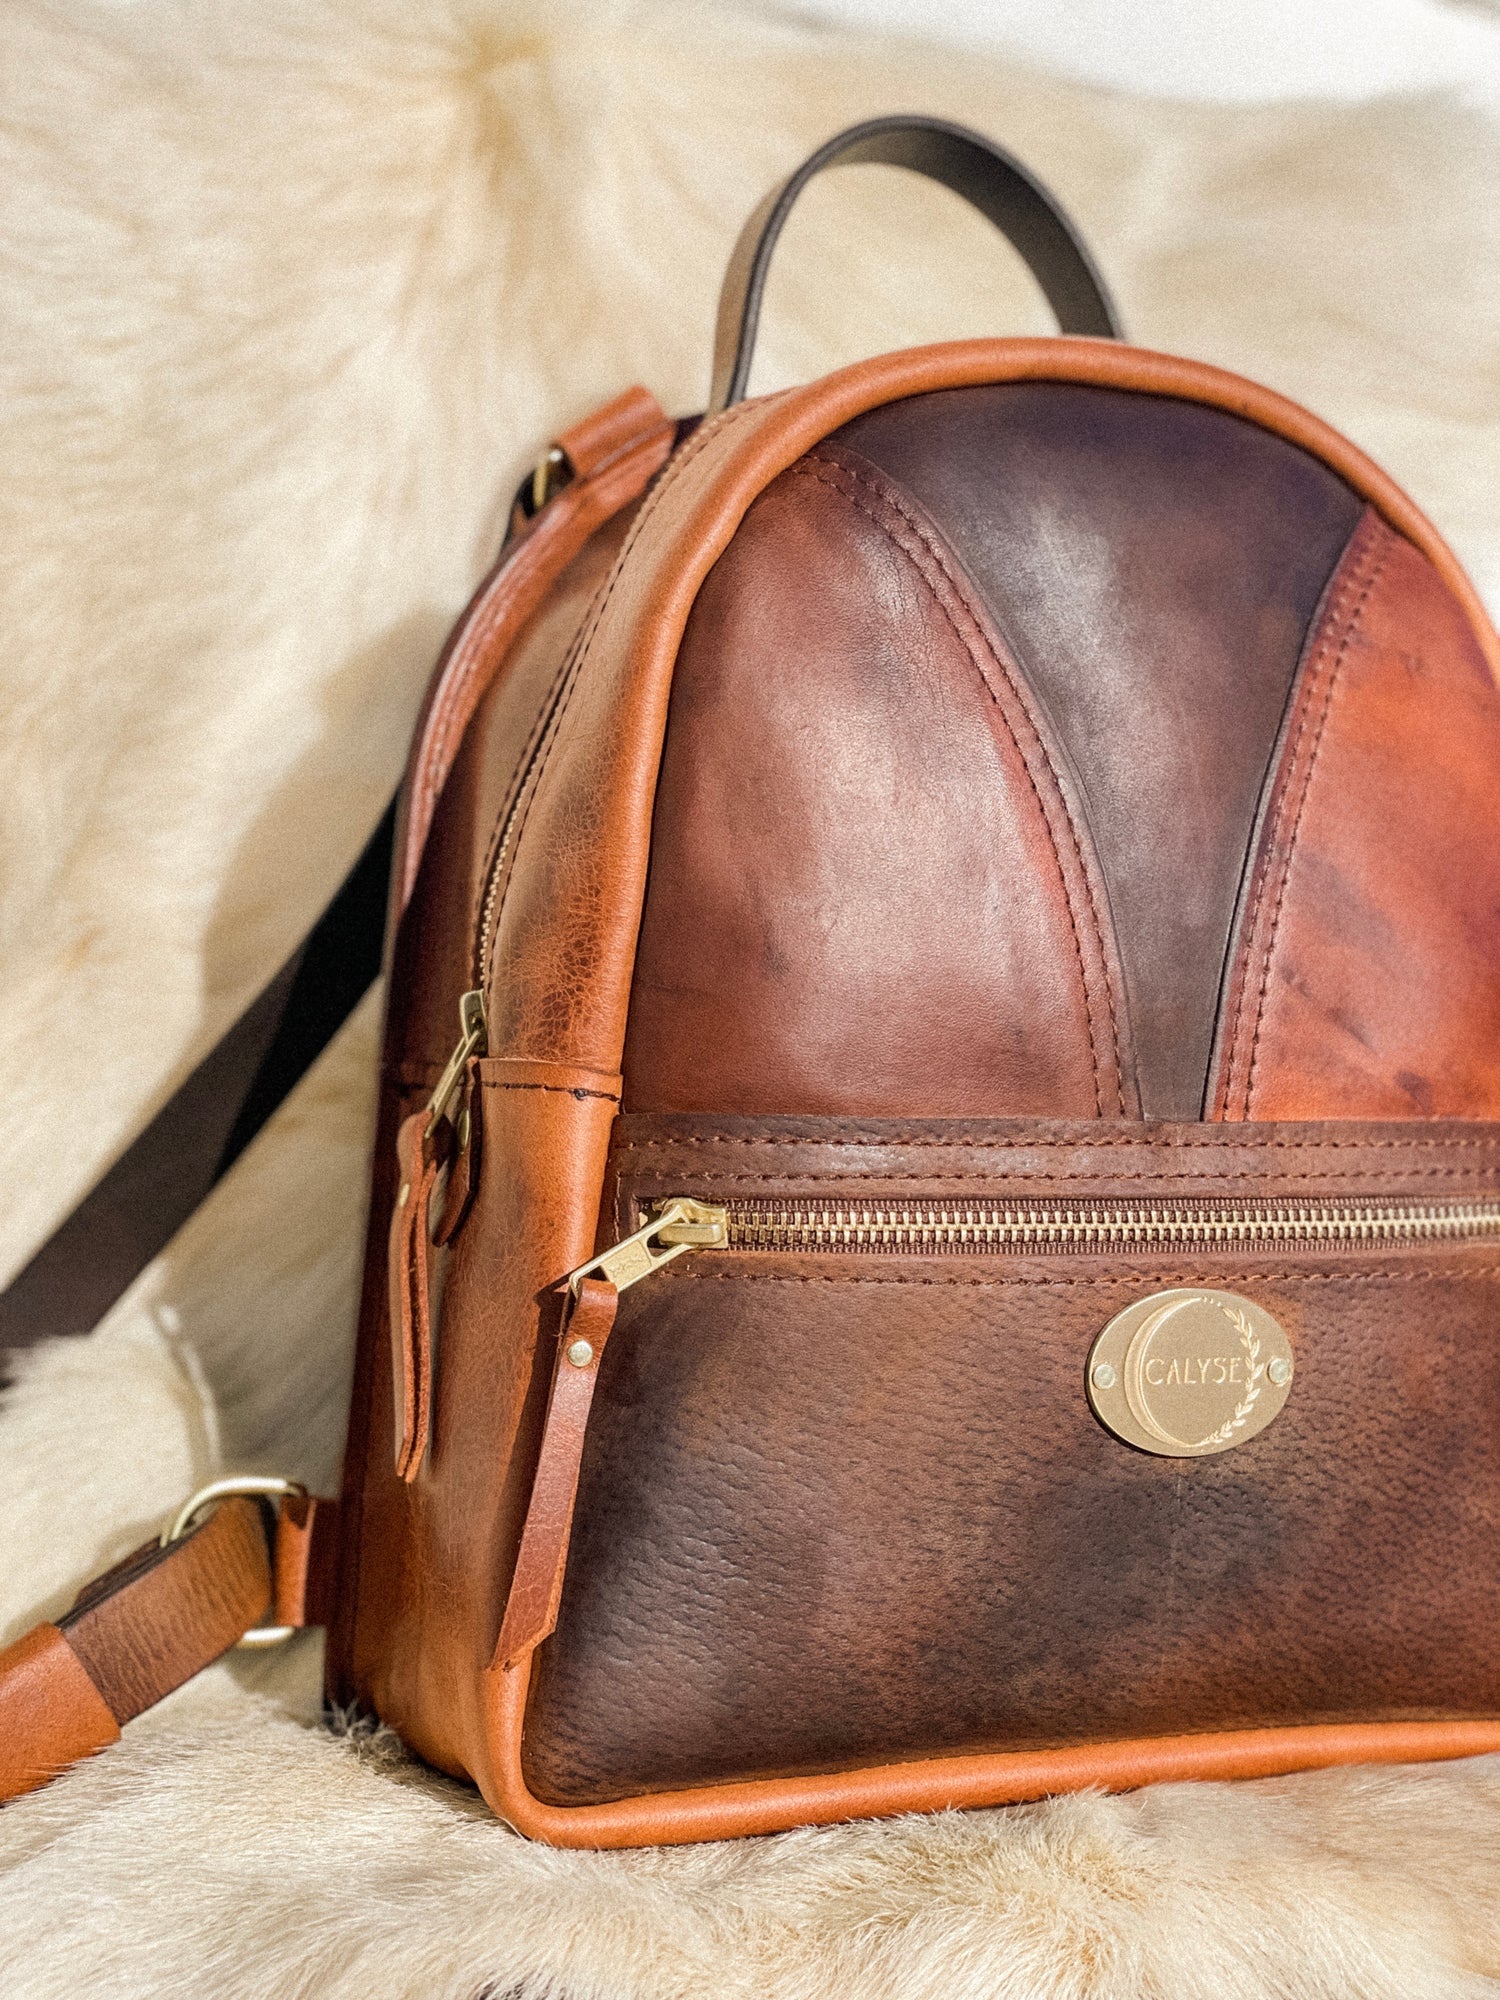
x,y
252,1486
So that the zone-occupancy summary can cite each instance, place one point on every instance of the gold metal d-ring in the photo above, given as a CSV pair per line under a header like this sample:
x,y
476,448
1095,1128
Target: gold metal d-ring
x,y
252,1486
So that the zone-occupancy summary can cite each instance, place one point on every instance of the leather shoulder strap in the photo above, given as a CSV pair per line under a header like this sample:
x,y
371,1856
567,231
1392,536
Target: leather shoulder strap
x,y
151,1623
192,1142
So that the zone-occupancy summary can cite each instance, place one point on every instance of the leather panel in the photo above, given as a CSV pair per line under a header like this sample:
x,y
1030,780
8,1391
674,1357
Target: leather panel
x,y
781,1444
1154,567
1367,974
869,891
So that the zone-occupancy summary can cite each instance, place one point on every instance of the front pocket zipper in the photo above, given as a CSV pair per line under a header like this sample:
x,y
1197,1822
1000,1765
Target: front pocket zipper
x,y
958,1228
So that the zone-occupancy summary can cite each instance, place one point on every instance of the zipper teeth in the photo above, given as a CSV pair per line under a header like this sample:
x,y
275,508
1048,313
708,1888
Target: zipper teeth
x,y
1096,1225
489,908
492,887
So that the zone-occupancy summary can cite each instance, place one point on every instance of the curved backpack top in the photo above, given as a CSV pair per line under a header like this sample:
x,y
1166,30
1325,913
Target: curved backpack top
x,y
967,1190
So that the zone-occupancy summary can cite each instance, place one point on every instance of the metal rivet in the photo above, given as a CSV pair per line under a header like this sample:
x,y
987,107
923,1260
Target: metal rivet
x,y
1104,1376
580,1354
1280,1372
405,1195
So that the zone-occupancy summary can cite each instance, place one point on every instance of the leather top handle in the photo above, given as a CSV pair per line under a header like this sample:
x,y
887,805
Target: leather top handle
x,y
987,177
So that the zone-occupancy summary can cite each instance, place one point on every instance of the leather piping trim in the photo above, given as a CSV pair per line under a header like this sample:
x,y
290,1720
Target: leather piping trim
x,y
774,1805
808,414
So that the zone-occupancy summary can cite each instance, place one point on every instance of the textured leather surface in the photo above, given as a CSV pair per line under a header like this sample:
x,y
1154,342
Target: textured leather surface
x,y
870,891
838,1509
51,1714
142,1629
613,452
520,664
1154,567
435,1555
160,1616
1367,977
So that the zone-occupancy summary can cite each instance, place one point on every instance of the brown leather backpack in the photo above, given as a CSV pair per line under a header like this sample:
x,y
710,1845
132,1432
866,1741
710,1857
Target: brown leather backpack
x,y
936,1202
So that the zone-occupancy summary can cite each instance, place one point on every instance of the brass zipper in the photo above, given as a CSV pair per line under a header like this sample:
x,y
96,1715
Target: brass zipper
x,y
489,908
473,1037
947,1228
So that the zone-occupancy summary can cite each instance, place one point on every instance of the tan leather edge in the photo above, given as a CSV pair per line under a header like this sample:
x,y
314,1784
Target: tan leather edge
x,y
151,1622
514,589
51,1714
302,1562
730,1812
752,444
422,1151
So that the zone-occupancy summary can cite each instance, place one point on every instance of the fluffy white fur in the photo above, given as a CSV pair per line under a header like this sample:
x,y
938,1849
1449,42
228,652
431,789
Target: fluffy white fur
x,y
291,294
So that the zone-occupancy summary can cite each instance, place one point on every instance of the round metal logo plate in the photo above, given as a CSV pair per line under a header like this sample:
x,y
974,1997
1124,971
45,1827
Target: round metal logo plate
x,y
1189,1373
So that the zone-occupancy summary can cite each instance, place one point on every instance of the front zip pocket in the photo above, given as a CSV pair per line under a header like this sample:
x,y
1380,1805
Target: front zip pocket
x,y
935,1227
855,1439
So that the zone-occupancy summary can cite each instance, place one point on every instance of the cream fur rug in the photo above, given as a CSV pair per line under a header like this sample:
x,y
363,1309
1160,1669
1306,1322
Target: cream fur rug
x,y
292,292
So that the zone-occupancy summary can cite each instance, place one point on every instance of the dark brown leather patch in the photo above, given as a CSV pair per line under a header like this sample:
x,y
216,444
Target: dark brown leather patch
x,y
1153,565
839,1509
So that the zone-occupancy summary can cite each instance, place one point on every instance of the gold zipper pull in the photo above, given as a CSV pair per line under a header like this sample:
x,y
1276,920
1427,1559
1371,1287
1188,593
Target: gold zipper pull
x,y
674,1226
473,1039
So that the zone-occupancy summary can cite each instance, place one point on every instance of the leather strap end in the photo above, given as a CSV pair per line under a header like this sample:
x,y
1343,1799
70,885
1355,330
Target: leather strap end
x,y
419,1160
536,1587
51,1713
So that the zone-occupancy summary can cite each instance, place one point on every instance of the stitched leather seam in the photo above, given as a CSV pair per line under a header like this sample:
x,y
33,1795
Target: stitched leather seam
x,y
497,594
807,469
1306,792
1339,629
1229,1143
893,497
1341,582
1191,1274
516,782
579,651
674,468
560,1089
